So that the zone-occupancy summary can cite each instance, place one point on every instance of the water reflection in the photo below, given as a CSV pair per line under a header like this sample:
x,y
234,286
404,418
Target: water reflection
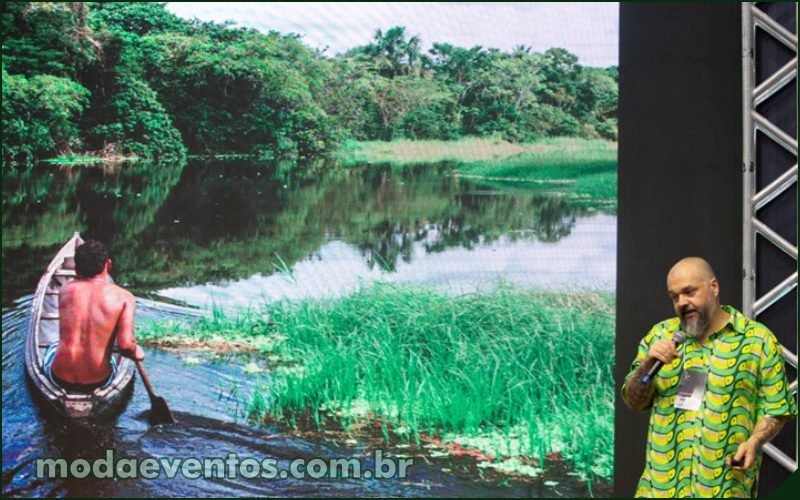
x,y
43,205
213,221
584,260
39,207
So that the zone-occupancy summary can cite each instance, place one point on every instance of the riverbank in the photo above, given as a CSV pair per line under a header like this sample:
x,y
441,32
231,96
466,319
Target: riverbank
x,y
514,374
466,150
585,171
579,168
80,160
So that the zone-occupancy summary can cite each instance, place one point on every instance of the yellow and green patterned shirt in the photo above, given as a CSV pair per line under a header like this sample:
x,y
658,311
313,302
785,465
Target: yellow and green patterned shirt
x,y
686,449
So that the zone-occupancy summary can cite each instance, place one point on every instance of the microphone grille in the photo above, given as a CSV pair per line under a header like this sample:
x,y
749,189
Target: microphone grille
x,y
679,337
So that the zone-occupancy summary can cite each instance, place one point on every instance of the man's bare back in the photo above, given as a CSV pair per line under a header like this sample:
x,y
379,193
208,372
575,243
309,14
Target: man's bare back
x,y
93,313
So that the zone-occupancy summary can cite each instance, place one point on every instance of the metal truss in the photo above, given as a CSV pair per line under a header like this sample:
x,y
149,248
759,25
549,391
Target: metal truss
x,y
754,94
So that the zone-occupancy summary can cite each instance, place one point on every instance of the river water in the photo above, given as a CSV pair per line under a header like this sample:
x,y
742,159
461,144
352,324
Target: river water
x,y
208,399
239,233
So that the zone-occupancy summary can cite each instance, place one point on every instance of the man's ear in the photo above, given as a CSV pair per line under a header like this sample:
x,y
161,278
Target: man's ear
x,y
108,265
714,287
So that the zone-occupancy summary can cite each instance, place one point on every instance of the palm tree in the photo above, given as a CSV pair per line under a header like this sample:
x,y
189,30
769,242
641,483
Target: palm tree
x,y
394,54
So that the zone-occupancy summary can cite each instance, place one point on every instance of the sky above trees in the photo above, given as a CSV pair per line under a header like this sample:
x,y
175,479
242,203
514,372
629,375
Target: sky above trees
x,y
588,30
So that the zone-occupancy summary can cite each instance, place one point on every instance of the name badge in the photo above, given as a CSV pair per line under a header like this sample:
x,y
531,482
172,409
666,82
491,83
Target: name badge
x,y
690,392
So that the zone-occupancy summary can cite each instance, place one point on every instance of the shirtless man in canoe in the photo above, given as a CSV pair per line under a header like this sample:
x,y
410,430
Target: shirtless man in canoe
x,y
93,314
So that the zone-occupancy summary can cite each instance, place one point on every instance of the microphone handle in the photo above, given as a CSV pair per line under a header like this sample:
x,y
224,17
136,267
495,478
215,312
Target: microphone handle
x,y
678,339
652,371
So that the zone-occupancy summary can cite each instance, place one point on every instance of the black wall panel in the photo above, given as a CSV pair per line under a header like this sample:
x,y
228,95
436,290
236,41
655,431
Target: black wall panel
x,y
680,175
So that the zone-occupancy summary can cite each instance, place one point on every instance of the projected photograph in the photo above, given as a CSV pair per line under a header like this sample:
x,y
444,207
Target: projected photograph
x,y
371,249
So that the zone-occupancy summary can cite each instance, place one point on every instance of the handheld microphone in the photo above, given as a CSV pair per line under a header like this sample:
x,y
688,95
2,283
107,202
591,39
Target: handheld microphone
x,y
679,338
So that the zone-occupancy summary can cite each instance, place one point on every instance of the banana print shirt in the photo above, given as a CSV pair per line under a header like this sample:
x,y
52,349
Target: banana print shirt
x,y
686,449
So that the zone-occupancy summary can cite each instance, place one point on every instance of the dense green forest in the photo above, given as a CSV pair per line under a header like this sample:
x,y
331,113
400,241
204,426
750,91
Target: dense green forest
x,y
134,79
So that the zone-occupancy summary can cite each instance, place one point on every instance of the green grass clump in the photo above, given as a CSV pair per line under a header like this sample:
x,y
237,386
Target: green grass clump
x,y
74,160
467,150
582,168
509,371
246,329
533,365
405,152
77,159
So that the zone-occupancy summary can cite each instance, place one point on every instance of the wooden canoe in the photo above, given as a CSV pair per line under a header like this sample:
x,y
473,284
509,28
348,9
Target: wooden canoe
x,y
43,330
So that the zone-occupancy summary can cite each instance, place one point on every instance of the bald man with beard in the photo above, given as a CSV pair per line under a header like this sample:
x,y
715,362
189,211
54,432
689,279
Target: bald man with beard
x,y
719,397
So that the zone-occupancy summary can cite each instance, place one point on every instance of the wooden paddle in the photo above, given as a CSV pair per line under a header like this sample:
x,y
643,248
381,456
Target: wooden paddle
x,y
159,411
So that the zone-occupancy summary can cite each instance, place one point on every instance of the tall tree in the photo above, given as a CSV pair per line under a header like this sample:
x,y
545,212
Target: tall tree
x,y
40,116
561,73
393,53
46,38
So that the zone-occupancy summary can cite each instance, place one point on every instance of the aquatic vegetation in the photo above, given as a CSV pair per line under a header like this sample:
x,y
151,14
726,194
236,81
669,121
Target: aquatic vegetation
x,y
246,330
511,372
497,362
404,151
467,150
575,167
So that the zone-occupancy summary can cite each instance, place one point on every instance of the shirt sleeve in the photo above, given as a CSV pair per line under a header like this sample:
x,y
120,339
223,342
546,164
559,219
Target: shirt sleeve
x,y
774,396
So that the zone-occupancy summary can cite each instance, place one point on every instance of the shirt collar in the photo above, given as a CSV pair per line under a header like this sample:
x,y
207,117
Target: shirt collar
x,y
736,320
734,325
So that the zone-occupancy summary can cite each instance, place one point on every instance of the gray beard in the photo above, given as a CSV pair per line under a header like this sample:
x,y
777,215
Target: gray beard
x,y
696,327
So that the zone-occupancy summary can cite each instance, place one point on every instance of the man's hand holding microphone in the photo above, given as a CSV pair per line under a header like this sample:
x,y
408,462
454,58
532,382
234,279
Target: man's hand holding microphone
x,y
640,389
662,353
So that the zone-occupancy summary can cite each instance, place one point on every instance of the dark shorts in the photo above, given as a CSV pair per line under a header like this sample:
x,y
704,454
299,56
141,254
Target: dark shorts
x,y
47,362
